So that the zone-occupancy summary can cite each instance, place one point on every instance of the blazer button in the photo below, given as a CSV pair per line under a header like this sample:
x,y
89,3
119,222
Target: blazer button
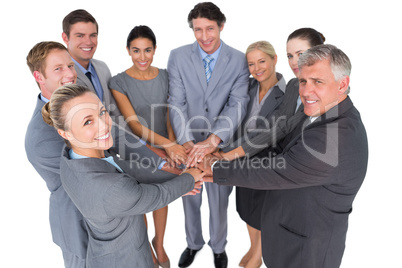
x,y
206,109
202,133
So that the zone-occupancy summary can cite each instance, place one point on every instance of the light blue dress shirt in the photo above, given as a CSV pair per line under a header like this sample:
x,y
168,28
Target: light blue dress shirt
x,y
214,55
109,159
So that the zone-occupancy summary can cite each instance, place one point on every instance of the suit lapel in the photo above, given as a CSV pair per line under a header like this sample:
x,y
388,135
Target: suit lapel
x,y
102,80
271,102
218,71
198,66
83,78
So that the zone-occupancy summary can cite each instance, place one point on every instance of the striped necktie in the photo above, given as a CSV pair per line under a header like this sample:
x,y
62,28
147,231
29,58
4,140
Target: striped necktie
x,y
207,62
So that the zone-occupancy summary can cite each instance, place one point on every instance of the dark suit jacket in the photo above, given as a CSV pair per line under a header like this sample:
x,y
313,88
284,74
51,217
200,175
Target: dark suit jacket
x,y
285,120
264,121
315,181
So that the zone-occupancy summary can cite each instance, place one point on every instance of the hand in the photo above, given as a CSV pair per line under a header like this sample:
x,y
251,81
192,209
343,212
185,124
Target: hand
x,y
176,152
206,163
202,148
196,190
168,167
188,146
195,172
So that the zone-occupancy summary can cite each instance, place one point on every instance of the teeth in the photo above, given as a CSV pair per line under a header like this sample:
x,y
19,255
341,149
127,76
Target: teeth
x,y
86,49
311,101
103,137
67,83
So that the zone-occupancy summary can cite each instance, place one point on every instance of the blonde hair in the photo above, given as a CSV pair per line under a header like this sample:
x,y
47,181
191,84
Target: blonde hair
x,y
263,46
53,113
36,58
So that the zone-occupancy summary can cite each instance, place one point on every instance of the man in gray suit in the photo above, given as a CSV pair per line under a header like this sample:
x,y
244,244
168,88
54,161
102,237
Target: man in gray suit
x,y
208,82
80,34
52,67
317,174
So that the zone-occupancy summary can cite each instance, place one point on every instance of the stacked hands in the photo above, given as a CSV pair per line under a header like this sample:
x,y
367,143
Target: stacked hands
x,y
197,159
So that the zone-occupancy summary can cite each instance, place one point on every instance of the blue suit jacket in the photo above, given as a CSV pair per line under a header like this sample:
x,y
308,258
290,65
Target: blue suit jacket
x,y
197,109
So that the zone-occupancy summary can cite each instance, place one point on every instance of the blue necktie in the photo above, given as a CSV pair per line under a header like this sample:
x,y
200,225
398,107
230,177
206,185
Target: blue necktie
x,y
207,62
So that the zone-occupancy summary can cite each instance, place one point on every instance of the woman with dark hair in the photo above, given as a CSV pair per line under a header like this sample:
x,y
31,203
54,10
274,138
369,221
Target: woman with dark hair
x,y
141,94
112,194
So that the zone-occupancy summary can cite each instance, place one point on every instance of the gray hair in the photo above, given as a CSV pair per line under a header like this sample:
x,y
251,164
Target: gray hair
x,y
339,61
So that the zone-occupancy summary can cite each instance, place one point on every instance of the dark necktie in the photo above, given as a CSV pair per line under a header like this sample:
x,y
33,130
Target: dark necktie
x,y
88,74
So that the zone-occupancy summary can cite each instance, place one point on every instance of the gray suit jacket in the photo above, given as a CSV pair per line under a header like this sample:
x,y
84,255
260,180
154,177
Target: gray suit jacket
x,y
104,75
43,146
197,109
316,178
114,205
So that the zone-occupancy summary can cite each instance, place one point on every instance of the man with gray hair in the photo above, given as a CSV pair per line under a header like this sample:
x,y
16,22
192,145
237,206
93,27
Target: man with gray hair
x,y
316,174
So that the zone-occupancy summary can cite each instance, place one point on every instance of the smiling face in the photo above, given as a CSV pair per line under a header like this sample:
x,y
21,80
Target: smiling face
x,y
142,53
207,33
261,66
59,71
318,89
82,42
294,48
88,126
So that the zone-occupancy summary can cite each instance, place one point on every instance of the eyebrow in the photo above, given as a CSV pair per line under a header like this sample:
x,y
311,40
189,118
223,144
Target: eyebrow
x,y
139,48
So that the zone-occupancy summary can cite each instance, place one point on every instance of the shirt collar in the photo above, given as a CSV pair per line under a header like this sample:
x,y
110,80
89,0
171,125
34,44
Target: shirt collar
x,y
43,98
214,55
90,68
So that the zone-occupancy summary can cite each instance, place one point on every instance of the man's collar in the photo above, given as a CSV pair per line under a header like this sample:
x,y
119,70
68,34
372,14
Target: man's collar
x,y
82,68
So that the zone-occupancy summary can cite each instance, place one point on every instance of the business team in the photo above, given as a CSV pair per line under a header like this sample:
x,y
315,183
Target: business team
x,y
302,223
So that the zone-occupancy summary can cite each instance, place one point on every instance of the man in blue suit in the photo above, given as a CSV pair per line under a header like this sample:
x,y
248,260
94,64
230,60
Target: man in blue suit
x,y
208,83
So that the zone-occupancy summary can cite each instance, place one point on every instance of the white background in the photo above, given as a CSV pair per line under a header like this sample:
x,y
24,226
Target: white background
x,y
368,32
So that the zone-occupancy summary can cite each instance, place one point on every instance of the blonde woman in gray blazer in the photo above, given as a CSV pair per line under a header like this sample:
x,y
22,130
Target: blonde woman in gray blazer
x,y
112,194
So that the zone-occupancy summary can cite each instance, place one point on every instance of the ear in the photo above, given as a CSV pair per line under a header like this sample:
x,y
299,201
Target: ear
x,y
222,25
64,134
275,59
38,77
65,38
343,85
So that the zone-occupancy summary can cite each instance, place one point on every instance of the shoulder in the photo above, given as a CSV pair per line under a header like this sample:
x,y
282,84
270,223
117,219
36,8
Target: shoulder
x,y
182,51
294,82
232,52
163,74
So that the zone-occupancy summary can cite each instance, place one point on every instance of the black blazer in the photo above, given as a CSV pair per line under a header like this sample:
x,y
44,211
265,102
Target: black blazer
x,y
315,180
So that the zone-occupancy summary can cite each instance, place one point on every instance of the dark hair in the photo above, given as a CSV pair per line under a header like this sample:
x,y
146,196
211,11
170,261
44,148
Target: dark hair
x,y
79,15
314,37
141,31
206,10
